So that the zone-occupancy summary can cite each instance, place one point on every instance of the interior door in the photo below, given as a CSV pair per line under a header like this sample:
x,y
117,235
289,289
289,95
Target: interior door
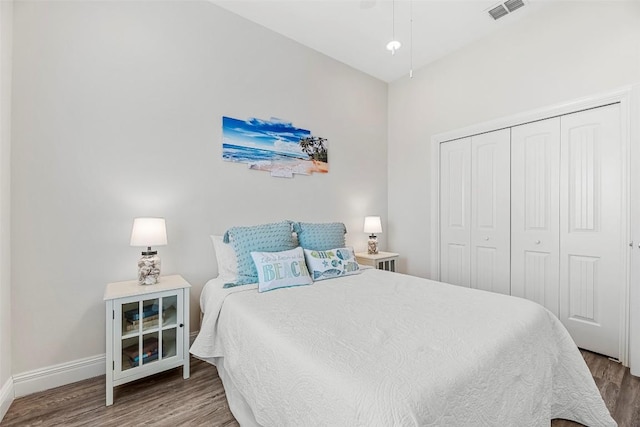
x,y
455,211
535,212
491,211
592,271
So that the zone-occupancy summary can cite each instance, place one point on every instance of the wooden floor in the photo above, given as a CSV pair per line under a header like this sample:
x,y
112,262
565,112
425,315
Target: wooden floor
x,y
168,400
161,400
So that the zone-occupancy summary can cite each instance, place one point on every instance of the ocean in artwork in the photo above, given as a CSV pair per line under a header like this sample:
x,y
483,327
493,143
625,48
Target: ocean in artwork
x,y
236,153
273,145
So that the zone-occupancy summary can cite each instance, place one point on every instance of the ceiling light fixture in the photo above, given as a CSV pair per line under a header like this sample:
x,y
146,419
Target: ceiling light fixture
x,y
394,44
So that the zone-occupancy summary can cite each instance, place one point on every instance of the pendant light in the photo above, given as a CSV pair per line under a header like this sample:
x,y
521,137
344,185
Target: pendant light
x,y
394,44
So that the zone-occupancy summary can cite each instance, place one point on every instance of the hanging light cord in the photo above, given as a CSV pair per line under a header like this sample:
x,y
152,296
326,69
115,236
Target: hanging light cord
x,y
394,44
393,24
393,19
411,39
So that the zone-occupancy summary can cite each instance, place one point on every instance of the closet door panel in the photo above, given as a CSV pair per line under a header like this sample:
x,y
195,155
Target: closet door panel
x,y
591,228
535,212
455,211
490,211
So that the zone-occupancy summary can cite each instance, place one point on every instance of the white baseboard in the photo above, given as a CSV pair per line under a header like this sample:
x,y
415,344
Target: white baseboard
x,y
6,397
58,375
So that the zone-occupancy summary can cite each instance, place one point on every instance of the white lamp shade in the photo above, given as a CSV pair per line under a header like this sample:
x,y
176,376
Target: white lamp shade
x,y
149,232
372,224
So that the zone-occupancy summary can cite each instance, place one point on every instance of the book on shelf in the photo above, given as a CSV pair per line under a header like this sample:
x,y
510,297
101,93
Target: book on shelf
x,y
147,311
146,358
147,322
149,351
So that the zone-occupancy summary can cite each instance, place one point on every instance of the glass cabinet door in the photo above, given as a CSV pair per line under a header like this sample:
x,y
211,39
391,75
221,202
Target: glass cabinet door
x,y
151,330
169,327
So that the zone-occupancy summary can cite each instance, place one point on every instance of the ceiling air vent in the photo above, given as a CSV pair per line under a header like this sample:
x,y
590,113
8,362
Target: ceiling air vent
x,y
513,4
505,8
498,12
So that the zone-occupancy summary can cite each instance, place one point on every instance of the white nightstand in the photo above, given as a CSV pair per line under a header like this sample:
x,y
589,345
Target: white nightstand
x,y
381,260
147,329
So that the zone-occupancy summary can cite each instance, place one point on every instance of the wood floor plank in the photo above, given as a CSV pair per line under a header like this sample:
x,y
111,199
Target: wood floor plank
x,y
627,410
603,367
610,392
167,400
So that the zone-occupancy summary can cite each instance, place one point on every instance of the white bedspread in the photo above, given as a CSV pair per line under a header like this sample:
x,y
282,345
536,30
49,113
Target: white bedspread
x,y
385,349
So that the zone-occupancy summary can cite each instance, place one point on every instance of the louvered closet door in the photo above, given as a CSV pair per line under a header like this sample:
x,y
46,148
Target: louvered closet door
x,y
535,212
490,211
591,228
455,211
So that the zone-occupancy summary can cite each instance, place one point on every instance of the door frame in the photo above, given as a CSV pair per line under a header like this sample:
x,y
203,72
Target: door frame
x,y
629,99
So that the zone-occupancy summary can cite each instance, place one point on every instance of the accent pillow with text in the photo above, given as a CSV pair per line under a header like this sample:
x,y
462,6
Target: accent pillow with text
x,y
281,269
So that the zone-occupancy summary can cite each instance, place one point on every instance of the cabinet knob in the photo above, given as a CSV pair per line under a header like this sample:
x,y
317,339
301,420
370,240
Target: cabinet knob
x,y
537,242
486,238
181,325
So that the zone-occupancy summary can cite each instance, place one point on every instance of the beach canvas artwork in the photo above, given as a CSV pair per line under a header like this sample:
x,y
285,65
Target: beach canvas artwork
x,y
273,145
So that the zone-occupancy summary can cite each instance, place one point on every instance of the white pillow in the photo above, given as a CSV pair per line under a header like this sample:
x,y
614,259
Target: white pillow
x,y
226,258
281,269
331,263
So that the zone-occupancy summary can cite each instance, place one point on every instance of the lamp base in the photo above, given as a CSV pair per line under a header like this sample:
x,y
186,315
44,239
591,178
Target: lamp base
x,y
372,245
148,269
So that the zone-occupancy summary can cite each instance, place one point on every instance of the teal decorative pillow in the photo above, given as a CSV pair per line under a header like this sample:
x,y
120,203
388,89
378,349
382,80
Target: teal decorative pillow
x,y
332,263
274,237
320,237
281,269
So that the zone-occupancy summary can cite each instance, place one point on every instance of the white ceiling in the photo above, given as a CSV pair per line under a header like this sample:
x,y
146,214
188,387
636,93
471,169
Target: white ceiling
x,y
356,31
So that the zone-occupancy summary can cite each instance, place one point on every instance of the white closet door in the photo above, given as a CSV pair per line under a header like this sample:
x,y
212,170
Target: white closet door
x,y
591,228
455,211
490,211
535,212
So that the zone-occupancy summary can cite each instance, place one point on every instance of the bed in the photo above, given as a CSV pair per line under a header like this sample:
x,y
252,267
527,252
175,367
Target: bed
x,y
386,349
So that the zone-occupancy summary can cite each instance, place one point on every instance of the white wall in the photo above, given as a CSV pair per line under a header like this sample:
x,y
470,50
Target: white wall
x,y
117,114
565,51
6,19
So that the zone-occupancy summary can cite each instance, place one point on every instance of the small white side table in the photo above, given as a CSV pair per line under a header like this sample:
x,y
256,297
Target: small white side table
x,y
381,260
147,329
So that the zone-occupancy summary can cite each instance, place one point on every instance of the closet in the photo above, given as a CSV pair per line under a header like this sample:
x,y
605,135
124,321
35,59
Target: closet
x,y
537,211
535,208
475,212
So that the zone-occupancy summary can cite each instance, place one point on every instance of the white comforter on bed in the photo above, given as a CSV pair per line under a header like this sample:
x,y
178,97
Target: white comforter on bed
x,y
385,349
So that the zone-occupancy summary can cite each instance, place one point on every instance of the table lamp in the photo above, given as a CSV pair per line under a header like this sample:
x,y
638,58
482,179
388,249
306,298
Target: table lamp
x,y
372,225
149,232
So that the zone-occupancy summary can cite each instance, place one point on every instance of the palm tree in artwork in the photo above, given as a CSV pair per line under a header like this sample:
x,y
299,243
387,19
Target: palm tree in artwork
x,y
314,147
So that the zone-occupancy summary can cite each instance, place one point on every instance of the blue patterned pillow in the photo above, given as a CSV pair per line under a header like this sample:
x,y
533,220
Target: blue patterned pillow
x,y
274,237
332,263
320,237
